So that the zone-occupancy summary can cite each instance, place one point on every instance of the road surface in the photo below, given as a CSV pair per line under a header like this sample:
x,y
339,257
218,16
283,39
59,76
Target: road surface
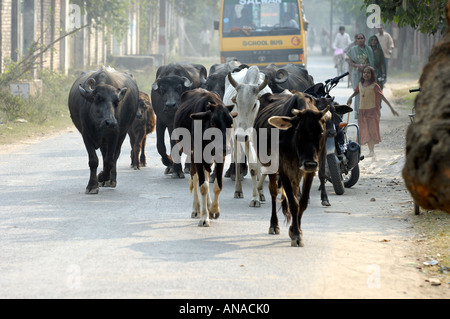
x,y
139,241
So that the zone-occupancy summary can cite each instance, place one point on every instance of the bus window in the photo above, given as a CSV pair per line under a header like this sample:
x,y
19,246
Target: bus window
x,y
260,19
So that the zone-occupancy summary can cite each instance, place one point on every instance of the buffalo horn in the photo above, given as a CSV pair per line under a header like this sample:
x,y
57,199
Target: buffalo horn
x,y
89,85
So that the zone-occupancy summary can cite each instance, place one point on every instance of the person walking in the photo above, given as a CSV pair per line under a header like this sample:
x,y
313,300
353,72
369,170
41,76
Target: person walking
x,y
379,60
369,111
387,44
359,57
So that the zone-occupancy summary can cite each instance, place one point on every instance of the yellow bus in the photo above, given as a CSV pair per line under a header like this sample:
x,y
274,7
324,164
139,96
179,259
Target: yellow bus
x,y
259,32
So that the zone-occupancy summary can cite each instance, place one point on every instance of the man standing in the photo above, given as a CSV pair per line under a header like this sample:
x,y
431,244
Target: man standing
x,y
387,44
341,41
205,38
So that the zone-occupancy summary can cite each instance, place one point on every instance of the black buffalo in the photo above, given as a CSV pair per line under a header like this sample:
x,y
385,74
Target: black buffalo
x,y
102,106
171,82
215,81
289,77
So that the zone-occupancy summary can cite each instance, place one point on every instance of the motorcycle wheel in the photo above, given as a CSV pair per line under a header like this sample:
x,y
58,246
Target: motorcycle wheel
x,y
353,177
335,174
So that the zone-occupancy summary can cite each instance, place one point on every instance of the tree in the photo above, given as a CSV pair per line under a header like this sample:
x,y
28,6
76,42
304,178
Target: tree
x,y
426,16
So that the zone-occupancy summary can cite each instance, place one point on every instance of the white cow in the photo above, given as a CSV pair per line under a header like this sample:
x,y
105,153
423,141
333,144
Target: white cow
x,y
243,89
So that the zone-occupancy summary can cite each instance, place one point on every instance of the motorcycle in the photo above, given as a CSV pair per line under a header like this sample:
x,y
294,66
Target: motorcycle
x,y
343,155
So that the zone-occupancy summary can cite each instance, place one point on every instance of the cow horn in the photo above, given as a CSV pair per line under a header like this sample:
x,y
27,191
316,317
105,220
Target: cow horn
x,y
89,85
187,82
326,110
263,85
281,76
232,80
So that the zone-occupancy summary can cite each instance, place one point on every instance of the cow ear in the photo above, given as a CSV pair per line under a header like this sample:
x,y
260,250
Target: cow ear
x,y
230,107
201,115
281,122
121,93
342,109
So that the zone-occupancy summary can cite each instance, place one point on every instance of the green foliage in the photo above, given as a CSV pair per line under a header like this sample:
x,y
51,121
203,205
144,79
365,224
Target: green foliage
x,y
52,103
112,14
426,16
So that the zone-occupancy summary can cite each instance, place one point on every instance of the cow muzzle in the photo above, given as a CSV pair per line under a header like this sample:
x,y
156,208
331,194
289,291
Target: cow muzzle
x,y
108,124
170,107
309,166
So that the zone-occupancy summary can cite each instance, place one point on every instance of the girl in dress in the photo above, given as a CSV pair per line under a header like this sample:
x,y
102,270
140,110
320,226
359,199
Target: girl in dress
x,y
369,109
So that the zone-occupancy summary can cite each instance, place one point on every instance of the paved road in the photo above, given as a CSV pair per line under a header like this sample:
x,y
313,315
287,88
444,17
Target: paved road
x,y
138,240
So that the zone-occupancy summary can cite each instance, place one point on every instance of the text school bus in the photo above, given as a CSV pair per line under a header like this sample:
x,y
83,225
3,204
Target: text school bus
x,y
259,32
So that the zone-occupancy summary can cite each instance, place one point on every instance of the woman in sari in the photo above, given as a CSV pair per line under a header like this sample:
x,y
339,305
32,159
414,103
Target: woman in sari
x,y
359,56
379,60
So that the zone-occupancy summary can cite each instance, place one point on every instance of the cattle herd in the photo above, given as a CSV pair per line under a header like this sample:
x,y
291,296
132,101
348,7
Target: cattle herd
x,y
259,110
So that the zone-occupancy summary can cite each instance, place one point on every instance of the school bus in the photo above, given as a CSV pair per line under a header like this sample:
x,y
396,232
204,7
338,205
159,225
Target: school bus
x,y
259,32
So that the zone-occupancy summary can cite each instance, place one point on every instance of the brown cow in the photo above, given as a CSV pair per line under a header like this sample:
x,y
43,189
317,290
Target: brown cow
x,y
301,134
143,124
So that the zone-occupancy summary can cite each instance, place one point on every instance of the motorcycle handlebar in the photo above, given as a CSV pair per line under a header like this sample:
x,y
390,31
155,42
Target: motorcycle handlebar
x,y
414,90
336,79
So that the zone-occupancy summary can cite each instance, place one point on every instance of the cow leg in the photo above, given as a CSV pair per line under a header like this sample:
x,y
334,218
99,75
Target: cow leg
x,y
177,169
193,185
255,174
215,210
92,186
291,190
143,159
273,188
260,187
132,142
237,182
107,177
322,178
204,191
304,199
161,146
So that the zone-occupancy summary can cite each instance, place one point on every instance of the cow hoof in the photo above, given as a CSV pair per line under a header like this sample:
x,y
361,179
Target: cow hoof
x,y
214,215
238,194
177,175
326,203
203,223
274,230
91,191
262,198
298,242
108,184
255,203
195,215
168,171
